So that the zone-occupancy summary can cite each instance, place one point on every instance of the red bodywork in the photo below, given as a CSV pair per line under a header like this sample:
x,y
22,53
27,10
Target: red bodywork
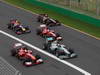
x,y
15,22
48,32
26,53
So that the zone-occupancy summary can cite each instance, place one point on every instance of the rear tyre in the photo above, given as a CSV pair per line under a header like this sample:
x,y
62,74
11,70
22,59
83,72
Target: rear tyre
x,y
13,52
45,46
10,26
38,31
57,35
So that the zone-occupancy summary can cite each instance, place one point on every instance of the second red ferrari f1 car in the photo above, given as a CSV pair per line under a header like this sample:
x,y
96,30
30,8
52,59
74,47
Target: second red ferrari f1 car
x,y
44,31
21,52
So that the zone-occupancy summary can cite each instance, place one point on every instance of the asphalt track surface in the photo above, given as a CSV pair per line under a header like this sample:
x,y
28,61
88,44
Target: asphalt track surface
x,y
87,48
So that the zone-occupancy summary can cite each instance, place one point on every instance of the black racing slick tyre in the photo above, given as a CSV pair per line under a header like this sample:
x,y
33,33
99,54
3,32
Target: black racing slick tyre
x,y
10,26
38,19
38,31
45,46
71,50
57,35
13,52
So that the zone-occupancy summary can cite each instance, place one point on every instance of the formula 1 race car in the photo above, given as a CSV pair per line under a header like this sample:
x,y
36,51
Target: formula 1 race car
x,y
18,28
21,52
46,32
52,22
59,50
43,18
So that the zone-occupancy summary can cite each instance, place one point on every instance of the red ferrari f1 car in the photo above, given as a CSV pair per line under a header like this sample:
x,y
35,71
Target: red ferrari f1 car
x,y
44,31
21,52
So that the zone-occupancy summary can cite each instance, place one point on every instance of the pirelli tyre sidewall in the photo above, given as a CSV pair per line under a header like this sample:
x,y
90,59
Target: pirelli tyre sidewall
x,y
38,31
13,52
40,19
28,62
10,26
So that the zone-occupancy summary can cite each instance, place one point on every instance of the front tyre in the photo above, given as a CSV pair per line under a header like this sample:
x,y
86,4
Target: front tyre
x,y
27,62
38,31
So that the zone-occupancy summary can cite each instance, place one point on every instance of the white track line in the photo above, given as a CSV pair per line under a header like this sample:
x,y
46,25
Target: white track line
x,y
46,53
62,23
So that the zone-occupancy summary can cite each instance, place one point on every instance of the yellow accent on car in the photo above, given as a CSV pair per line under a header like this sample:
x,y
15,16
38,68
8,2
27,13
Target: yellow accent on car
x,y
23,29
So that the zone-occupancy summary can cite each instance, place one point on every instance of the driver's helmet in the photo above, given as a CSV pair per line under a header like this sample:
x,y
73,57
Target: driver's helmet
x,y
43,26
59,45
17,21
59,38
29,51
46,15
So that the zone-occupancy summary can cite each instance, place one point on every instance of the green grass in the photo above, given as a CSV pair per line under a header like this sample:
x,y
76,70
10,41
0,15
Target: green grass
x,y
85,27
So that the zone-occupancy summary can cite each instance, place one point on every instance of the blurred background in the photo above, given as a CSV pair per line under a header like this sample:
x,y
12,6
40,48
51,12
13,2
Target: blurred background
x,y
89,7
